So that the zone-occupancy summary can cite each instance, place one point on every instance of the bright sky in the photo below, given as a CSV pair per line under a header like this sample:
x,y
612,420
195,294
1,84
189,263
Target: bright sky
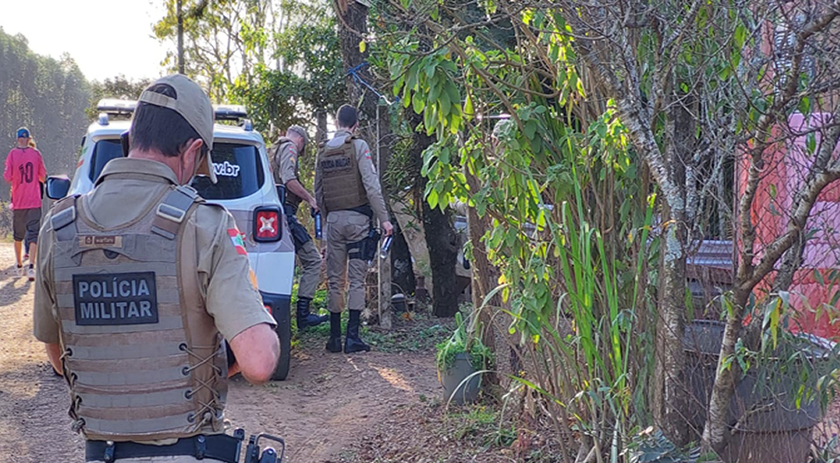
x,y
104,37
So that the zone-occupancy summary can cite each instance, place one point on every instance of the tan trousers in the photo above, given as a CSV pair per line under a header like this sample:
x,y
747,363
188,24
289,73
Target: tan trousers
x,y
343,228
310,269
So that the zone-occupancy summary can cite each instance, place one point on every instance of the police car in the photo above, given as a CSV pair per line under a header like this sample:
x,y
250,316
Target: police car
x,y
245,187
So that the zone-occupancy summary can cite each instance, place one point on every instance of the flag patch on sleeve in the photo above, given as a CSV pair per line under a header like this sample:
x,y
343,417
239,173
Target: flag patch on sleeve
x,y
238,241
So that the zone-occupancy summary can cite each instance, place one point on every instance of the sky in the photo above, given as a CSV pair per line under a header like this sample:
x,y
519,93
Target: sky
x,y
104,37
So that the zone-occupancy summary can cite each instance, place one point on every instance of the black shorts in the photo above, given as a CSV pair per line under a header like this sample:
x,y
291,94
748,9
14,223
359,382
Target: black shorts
x,y
26,223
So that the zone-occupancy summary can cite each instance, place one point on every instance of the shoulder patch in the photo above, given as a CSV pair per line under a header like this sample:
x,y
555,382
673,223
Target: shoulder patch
x,y
238,241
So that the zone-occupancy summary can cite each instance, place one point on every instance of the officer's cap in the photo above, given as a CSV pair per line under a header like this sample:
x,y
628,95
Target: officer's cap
x,y
299,131
193,105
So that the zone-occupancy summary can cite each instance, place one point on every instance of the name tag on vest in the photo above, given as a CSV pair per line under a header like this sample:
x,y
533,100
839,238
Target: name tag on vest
x,y
115,298
341,163
100,241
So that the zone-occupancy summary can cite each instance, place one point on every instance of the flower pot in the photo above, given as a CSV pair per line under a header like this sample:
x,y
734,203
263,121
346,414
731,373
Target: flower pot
x,y
398,303
454,386
770,427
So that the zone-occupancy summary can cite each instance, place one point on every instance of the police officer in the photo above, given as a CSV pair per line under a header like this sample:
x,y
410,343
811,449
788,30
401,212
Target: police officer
x,y
288,150
138,283
347,189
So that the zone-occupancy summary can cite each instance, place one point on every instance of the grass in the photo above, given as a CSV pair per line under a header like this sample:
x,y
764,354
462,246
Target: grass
x,y
480,424
411,332
426,432
419,333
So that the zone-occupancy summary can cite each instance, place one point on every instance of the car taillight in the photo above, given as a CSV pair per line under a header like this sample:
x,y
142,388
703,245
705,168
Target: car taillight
x,y
267,226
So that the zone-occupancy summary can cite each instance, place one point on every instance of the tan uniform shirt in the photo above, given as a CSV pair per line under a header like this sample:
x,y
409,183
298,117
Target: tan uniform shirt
x,y
230,297
288,169
288,163
368,172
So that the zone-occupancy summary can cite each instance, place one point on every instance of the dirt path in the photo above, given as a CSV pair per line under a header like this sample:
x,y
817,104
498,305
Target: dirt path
x,y
328,404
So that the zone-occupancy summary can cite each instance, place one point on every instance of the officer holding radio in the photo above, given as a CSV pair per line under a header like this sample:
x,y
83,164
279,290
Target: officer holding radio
x,y
287,152
348,191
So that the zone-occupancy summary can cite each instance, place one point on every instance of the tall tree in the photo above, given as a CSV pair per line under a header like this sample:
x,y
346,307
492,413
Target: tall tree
x,y
224,40
49,96
308,81
438,227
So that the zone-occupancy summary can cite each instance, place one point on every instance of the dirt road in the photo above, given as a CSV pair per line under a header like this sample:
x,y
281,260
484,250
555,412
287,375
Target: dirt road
x,y
328,404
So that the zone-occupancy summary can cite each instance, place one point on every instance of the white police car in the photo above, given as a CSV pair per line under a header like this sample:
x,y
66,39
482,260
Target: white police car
x,y
245,187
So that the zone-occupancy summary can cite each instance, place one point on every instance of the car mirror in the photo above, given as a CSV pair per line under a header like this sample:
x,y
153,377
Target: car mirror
x,y
281,193
57,187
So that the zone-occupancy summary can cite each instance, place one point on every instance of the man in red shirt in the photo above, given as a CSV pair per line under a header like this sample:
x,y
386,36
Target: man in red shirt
x,y
25,171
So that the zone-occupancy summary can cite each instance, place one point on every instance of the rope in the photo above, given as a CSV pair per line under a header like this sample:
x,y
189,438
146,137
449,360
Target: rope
x,y
354,73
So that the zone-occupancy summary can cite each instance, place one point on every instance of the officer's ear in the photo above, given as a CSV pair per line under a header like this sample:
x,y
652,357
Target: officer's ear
x,y
193,150
191,158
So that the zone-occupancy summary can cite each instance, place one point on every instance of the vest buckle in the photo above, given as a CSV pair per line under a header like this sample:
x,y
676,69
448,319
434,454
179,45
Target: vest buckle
x,y
188,191
108,455
171,213
200,447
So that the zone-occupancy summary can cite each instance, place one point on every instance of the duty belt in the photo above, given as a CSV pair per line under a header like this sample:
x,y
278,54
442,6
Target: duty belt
x,y
215,447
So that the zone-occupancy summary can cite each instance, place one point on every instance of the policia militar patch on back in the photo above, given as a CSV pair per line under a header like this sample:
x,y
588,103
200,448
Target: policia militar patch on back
x,y
342,163
115,298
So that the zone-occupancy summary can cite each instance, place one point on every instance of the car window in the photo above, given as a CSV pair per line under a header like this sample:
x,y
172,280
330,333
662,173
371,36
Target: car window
x,y
239,172
103,151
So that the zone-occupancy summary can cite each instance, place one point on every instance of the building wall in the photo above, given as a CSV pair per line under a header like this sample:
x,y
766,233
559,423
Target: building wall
x,y
787,166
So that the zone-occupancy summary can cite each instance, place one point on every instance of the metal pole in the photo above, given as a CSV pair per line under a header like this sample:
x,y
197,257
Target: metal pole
x,y
384,269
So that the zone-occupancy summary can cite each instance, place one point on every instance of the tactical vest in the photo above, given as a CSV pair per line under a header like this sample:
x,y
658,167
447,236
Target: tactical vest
x,y
143,359
341,180
291,198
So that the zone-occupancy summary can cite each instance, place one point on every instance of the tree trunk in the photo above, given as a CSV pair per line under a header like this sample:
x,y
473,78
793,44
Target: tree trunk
x,y
484,278
321,127
716,433
443,256
440,234
670,398
484,274
402,279
669,393
180,18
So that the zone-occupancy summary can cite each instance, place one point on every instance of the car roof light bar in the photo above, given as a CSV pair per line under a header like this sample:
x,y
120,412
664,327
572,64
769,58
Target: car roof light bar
x,y
228,112
115,106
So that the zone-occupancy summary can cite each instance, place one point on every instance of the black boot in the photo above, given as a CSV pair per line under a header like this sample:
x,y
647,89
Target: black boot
x,y
334,344
352,341
304,318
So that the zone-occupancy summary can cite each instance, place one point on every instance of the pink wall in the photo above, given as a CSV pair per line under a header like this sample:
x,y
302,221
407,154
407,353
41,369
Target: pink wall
x,y
787,166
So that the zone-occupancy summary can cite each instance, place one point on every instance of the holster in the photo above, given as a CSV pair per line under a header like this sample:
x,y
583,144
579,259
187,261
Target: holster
x,y
366,248
299,234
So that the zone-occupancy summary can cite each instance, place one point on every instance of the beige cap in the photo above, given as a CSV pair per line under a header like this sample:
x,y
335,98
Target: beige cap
x,y
300,131
193,105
